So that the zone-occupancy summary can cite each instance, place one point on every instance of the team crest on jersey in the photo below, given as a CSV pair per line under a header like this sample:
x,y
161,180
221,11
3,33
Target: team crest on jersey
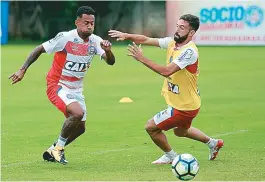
x,y
77,67
92,49
74,47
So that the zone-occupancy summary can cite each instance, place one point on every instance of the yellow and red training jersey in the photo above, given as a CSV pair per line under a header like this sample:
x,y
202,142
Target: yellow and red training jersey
x,y
180,89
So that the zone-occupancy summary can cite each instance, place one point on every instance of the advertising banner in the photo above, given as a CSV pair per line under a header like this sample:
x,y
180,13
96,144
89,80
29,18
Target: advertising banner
x,y
222,22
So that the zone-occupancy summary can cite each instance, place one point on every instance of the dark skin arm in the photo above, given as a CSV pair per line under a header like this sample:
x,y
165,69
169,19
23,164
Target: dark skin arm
x,y
108,56
137,53
34,55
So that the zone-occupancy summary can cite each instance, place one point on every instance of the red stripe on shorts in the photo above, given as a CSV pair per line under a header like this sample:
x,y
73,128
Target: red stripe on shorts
x,y
52,93
180,119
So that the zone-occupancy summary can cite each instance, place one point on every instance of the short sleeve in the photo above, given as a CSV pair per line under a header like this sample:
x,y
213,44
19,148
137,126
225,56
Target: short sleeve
x,y
163,42
100,51
187,57
55,44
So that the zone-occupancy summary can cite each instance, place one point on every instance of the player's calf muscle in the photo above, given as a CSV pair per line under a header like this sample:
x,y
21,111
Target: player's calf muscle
x,y
69,124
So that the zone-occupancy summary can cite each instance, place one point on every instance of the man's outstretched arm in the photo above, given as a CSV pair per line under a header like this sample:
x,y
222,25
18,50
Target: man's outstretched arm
x,y
188,56
34,55
137,38
166,71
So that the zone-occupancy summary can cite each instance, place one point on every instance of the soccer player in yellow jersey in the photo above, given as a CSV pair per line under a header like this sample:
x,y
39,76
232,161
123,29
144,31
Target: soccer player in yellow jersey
x,y
179,89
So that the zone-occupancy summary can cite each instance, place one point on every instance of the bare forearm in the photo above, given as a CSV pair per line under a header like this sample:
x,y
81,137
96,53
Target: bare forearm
x,y
34,55
110,58
138,39
162,70
142,39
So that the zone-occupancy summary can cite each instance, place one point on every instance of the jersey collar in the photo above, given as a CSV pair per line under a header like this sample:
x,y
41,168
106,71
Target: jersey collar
x,y
76,33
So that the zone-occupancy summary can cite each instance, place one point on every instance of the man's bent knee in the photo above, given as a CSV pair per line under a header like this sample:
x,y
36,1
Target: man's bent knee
x,y
180,132
78,115
75,111
151,127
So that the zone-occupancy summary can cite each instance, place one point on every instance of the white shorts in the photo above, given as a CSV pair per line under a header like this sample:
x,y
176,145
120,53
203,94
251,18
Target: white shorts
x,y
172,118
68,96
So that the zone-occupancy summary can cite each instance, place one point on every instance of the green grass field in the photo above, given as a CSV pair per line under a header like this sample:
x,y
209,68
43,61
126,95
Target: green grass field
x,y
115,145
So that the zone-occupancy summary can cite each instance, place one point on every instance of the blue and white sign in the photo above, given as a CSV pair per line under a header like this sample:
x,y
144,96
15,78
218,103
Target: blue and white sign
x,y
223,22
251,16
4,21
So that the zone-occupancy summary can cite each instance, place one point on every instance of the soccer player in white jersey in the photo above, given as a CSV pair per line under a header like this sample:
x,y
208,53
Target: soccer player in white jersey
x,y
74,51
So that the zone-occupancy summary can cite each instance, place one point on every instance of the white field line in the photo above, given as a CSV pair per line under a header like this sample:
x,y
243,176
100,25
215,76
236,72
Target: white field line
x,y
116,150
230,133
89,153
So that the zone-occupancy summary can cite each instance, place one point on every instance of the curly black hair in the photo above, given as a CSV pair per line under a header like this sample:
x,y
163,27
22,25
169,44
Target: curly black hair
x,y
194,21
85,10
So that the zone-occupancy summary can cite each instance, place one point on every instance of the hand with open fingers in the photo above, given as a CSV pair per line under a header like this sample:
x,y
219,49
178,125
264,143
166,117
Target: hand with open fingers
x,y
105,45
18,76
135,51
120,36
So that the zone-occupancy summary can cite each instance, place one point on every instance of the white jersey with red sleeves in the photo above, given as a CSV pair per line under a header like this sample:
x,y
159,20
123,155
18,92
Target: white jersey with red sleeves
x,y
72,58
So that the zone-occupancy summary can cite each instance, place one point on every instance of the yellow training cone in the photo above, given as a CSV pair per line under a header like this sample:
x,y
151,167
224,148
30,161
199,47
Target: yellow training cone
x,y
126,100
